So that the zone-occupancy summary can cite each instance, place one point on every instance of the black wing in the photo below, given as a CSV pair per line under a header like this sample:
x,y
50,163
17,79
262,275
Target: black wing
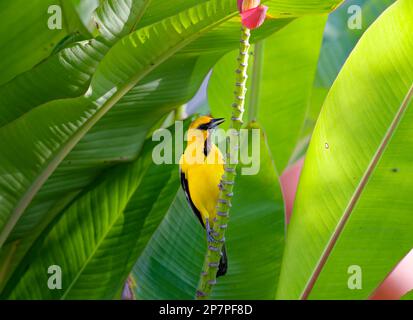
x,y
184,183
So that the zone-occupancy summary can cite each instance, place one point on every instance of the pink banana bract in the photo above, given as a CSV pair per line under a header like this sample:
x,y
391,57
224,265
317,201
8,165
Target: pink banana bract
x,y
252,13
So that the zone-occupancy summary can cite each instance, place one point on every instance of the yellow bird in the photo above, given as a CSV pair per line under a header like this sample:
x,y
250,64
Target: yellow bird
x,y
201,169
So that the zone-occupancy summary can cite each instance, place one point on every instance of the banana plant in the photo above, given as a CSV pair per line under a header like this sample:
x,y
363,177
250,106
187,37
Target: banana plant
x,y
79,188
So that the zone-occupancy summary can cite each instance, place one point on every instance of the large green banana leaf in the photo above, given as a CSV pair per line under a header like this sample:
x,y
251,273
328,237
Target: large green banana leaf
x,y
339,40
26,36
170,266
280,79
84,10
67,73
354,201
77,16
98,237
116,18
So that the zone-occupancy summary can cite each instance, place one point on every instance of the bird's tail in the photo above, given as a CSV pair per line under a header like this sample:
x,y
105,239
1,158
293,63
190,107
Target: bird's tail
x,y
223,263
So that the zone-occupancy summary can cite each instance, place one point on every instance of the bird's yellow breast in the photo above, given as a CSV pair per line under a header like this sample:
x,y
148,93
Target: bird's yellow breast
x,y
203,181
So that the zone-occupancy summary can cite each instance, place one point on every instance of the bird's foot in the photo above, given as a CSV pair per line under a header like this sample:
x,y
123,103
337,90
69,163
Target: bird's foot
x,y
210,237
210,233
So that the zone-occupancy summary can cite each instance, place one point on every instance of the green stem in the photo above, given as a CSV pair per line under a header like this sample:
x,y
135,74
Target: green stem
x,y
255,81
213,255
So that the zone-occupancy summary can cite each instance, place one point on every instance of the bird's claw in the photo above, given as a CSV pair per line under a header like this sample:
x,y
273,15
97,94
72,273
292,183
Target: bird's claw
x,y
210,237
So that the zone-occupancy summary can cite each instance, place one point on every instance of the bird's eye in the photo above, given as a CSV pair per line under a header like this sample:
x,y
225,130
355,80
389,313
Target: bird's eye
x,y
204,126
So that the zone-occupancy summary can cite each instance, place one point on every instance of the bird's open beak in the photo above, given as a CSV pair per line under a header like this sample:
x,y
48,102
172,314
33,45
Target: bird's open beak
x,y
216,122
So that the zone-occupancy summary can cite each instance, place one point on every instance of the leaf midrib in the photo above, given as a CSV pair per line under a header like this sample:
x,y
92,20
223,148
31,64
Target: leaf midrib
x,y
110,228
104,236
357,193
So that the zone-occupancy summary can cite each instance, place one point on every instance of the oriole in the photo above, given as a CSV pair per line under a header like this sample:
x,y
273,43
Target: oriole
x,y
201,176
